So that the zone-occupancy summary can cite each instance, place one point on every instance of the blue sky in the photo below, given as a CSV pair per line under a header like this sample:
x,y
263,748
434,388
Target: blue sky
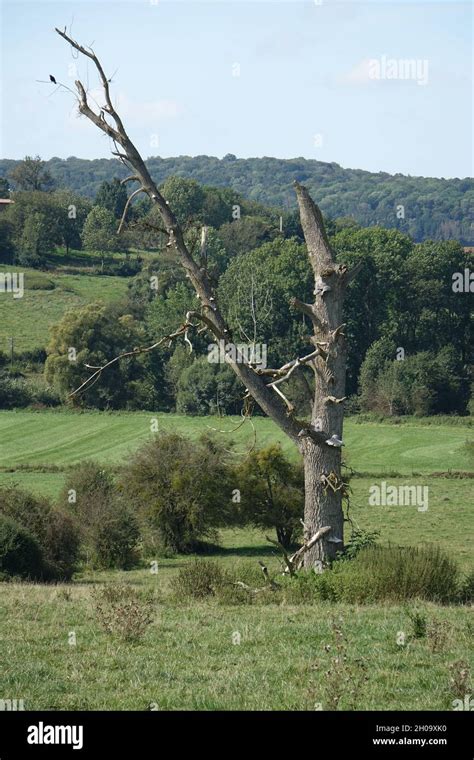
x,y
259,78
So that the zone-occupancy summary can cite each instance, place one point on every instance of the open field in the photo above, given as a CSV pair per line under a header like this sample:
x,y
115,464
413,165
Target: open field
x,y
188,658
48,296
61,438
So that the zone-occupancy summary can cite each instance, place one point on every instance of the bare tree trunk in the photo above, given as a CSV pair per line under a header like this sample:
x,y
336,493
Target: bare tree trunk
x,y
320,440
322,464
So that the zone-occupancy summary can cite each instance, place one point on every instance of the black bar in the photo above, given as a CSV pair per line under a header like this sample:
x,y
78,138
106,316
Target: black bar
x,y
317,734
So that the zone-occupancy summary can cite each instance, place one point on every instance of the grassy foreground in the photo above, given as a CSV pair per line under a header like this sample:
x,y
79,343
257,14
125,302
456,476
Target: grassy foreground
x,y
205,655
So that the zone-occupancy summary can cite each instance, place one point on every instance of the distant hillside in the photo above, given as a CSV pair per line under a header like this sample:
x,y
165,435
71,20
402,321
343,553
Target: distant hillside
x,y
440,209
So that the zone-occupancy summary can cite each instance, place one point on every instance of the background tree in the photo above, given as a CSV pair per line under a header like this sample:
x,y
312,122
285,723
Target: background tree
x,y
185,197
112,196
245,234
7,248
72,212
31,174
37,240
90,335
4,188
100,231
204,388
35,226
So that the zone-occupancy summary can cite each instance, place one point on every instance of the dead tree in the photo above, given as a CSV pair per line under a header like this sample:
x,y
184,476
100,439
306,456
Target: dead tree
x,y
318,440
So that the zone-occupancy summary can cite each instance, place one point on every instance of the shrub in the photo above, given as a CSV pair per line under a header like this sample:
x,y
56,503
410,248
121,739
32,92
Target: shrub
x,y
20,553
392,572
438,633
376,574
198,579
466,591
419,623
14,393
460,680
54,532
115,539
360,539
180,489
272,492
62,545
122,611
109,530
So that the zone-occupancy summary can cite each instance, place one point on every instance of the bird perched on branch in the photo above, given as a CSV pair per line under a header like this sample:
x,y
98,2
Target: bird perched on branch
x,y
52,79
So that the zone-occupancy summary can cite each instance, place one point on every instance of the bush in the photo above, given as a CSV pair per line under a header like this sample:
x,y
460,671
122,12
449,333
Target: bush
x,y
20,553
272,492
180,489
198,579
16,393
466,591
109,530
377,574
360,539
116,537
54,532
391,573
419,623
62,545
122,611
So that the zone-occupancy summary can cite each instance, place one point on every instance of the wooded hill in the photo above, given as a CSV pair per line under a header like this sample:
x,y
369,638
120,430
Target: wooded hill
x,y
423,207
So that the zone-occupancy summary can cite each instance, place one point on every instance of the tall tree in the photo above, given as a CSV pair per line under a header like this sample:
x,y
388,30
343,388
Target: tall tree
x,y
31,174
319,440
99,232
37,240
112,196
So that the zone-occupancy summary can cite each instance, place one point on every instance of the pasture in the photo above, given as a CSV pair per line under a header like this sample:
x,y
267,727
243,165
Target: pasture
x,y
209,655
47,297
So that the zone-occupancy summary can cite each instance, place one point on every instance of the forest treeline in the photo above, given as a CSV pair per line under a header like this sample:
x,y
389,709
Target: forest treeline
x,y
423,207
407,315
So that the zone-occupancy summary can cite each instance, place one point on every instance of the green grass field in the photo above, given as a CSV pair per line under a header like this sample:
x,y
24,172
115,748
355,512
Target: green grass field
x,y
188,658
61,438
29,319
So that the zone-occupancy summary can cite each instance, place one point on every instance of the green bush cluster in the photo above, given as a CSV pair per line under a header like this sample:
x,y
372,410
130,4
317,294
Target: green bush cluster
x,y
37,541
108,528
376,574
